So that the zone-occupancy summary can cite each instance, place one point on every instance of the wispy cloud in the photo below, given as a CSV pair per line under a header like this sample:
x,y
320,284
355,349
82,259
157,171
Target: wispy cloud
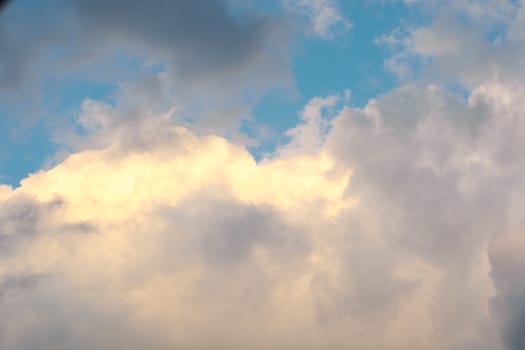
x,y
327,20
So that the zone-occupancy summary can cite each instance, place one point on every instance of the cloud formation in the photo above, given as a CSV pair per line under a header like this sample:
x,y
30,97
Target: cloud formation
x,y
376,235
327,21
193,222
463,42
397,225
181,49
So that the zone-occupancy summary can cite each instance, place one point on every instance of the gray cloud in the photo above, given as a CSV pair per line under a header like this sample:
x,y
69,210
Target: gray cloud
x,y
227,233
3,4
442,176
210,63
24,220
200,37
18,283
506,254
20,221
438,177
465,42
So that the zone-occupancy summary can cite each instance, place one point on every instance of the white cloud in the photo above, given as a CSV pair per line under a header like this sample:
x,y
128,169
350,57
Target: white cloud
x,y
327,21
465,42
188,234
374,235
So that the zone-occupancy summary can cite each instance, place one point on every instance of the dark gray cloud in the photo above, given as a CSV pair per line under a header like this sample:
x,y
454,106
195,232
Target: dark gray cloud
x,y
21,220
29,32
3,4
227,234
80,228
506,256
200,37
19,283
207,50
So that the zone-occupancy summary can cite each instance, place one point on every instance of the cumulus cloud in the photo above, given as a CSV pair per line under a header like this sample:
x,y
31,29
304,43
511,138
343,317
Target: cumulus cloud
x,y
397,225
445,180
226,240
388,231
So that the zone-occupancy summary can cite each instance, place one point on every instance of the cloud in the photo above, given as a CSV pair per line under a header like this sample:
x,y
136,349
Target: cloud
x,y
219,44
396,225
506,251
465,42
326,18
194,222
174,52
377,234
3,4
20,220
445,180
200,42
13,284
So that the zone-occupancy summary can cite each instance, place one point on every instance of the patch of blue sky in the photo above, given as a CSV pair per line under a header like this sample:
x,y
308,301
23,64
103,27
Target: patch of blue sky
x,y
65,97
67,94
23,150
353,61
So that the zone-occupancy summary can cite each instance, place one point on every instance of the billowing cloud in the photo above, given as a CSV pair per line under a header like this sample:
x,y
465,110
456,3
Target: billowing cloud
x,y
442,180
397,225
388,229
192,222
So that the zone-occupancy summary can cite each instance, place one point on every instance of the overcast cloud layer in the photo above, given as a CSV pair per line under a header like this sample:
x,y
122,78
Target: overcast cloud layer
x,y
398,225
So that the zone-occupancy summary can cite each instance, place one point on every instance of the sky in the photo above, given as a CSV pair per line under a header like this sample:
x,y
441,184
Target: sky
x,y
262,174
